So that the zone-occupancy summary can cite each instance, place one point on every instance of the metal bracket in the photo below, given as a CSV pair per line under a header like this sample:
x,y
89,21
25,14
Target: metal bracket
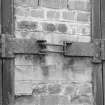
x,y
97,51
70,49
46,48
9,46
5,46
103,49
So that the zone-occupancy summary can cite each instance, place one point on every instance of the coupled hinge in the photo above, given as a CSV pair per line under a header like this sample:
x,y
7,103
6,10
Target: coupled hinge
x,y
6,50
46,48
99,46
102,49
95,49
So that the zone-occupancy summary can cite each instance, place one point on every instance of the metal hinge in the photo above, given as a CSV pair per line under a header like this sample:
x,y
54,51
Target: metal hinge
x,y
99,54
46,47
95,49
5,46
102,49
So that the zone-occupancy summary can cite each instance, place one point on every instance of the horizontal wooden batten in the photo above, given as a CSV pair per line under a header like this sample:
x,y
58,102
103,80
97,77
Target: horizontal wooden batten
x,y
25,46
13,46
80,49
103,49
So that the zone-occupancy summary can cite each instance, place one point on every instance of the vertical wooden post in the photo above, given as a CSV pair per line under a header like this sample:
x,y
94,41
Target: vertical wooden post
x,y
7,62
8,81
0,62
97,84
0,81
96,36
7,17
96,19
103,38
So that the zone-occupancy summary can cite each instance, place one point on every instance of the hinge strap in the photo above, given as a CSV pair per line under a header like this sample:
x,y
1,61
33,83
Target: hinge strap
x,y
99,55
102,49
6,49
97,51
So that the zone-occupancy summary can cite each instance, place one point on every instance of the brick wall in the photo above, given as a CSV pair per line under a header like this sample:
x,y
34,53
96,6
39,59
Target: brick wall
x,y
53,79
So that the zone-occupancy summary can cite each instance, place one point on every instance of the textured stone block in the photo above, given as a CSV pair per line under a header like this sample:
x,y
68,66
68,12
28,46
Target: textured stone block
x,y
64,100
83,29
37,13
27,3
58,4
49,27
49,100
81,100
85,89
83,17
27,25
82,5
23,87
54,89
62,28
39,71
54,15
69,90
26,100
40,89
24,72
23,60
19,11
68,15
86,39
45,71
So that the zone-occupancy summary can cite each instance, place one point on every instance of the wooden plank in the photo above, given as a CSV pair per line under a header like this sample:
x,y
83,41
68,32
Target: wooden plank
x,y
7,16
25,46
103,18
103,28
97,84
0,81
0,62
8,82
7,46
0,16
103,42
103,49
80,49
104,80
96,19
30,46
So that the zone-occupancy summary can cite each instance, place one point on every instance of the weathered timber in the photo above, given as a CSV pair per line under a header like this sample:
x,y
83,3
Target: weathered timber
x,y
8,82
97,84
30,46
96,19
80,49
103,18
7,17
0,81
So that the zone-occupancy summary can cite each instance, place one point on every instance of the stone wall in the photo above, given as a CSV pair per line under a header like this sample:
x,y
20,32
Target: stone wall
x,y
53,79
67,19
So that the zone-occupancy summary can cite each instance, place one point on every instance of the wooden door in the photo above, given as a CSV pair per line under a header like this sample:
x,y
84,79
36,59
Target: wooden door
x,y
90,53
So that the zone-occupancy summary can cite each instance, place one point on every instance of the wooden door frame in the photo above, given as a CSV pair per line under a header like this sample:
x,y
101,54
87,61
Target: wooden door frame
x,y
11,46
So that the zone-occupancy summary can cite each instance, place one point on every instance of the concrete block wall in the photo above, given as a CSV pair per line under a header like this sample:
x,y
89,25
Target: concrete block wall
x,y
53,79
